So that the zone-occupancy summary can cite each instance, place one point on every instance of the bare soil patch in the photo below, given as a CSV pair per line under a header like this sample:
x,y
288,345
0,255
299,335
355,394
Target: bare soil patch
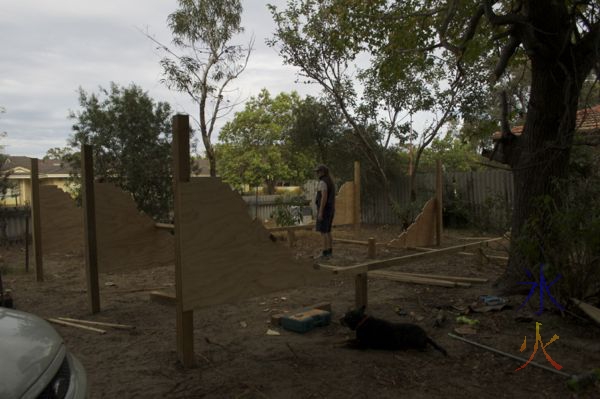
x,y
236,359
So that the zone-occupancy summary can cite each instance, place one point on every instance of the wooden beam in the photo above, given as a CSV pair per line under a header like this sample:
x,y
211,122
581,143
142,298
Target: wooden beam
x,y
181,160
89,228
291,228
361,287
163,298
164,226
418,280
422,249
442,277
69,324
99,323
592,311
356,217
36,221
372,254
347,241
439,188
383,263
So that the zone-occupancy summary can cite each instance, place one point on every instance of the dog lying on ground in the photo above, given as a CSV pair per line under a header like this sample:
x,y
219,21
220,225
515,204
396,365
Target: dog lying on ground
x,y
381,334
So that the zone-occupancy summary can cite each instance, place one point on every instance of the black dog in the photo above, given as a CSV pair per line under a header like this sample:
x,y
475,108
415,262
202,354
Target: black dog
x,y
380,334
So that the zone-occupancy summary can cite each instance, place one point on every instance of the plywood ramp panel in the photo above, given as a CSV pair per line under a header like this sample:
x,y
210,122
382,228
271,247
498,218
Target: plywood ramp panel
x,y
62,222
126,238
226,257
421,233
344,205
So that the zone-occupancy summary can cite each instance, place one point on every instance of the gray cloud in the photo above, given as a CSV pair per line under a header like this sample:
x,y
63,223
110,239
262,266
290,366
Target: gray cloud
x,y
50,49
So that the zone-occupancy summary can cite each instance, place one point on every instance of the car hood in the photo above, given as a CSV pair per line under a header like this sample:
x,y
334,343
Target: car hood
x,y
28,345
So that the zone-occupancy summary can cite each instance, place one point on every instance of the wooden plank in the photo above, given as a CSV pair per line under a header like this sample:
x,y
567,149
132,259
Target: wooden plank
x,y
128,239
383,263
99,323
81,327
422,232
592,311
438,203
89,228
418,280
181,175
62,222
36,221
163,298
422,249
443,277
226,256
165,226
361,290
291,228
344,205
356,200
276,318
347,241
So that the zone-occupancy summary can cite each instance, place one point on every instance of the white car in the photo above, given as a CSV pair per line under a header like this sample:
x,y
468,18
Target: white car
x,y
34,362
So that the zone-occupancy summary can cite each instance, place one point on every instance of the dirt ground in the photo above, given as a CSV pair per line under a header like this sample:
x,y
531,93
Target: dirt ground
x,y
236,359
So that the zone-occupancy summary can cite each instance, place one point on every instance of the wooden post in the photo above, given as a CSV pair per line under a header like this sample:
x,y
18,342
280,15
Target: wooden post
x,y
181,174
89,228
361,290
372,248
439,203
27,243
356,194
37,223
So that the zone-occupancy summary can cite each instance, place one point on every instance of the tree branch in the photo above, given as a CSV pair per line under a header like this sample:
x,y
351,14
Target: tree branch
x,y
499,20
505,55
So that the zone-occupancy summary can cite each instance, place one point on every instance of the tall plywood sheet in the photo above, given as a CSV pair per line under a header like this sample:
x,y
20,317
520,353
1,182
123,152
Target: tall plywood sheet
x,y
421,233
344,205
225,256
62,222
126,238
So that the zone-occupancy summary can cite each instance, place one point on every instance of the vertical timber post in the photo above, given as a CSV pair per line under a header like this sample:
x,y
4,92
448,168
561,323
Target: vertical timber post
x,y
37,222
372,248
356,194
89,228
181,174
361,290
27,243
438,202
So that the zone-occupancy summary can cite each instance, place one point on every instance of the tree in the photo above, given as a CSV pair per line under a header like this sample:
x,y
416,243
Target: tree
x,y
255,146
131,139
5,184
204,62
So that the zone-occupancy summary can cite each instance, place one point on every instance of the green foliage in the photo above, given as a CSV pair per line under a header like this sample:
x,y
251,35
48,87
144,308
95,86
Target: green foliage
x,y
208,62
563,233
5,184
255,147
288,211
131,139
456,155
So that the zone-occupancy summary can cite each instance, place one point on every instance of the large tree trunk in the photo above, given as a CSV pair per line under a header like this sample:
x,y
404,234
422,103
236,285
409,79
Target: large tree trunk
x,y
540,155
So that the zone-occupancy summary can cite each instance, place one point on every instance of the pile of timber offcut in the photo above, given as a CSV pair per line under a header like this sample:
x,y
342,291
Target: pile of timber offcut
x,y
427,279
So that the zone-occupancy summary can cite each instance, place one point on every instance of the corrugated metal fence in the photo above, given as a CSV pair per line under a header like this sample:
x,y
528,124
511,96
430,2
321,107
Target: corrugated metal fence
x,y
484,195
12,223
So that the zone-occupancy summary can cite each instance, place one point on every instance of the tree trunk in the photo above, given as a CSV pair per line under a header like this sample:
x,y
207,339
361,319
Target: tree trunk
x,y
540,154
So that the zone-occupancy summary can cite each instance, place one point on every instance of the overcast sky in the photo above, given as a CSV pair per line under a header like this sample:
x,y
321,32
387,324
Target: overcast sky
x,y
51,48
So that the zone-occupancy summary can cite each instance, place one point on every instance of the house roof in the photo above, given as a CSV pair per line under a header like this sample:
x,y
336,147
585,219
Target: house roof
x,y
588,121
21,166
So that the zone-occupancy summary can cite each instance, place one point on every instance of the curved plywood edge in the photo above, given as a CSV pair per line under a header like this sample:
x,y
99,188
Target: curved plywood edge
x,y
126,238
225,255
61,222
344,205
421,232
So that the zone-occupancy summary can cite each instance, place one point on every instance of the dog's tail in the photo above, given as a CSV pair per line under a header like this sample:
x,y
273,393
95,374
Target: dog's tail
x,y
436,346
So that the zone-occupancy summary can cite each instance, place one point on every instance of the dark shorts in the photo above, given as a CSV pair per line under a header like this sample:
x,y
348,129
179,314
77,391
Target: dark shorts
x,y
324,225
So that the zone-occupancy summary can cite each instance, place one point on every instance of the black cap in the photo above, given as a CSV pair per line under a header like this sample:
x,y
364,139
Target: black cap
x,y
321,168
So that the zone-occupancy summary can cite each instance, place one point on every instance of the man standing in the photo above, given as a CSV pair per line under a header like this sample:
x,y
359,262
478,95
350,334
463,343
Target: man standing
x,y
325,208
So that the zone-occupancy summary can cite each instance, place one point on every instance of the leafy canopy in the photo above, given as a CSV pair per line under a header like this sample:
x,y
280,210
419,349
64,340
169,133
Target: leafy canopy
x,y
131,138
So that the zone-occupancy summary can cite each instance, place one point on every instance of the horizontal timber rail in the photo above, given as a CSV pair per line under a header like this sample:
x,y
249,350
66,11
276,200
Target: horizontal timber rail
x,y
383,263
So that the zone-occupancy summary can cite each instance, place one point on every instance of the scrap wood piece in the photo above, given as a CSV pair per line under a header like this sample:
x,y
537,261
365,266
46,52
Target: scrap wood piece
x,y
99,323
592,311
348,241
69,324
418,280
383,263
276,318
